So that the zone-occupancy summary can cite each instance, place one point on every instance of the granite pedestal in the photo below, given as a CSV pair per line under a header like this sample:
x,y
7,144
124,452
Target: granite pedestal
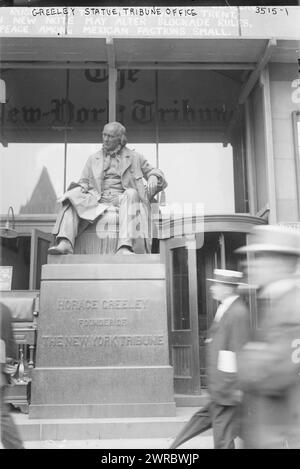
x,y
102,344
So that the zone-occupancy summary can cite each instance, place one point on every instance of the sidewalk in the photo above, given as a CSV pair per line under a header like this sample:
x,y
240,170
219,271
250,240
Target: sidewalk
x,y
200,442
109,433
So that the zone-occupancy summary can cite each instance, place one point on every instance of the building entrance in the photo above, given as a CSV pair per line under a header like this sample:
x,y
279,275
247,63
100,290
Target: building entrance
x,y
191,309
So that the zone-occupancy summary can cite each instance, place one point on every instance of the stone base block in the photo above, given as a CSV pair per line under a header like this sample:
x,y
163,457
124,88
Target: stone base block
x,y
92,411
101,392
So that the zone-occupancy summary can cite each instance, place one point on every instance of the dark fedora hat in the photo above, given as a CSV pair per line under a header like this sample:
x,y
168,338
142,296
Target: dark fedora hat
x,y
272,238
230,277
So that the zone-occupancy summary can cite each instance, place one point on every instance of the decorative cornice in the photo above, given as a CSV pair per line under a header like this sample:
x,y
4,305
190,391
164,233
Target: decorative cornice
x,y
219,223
26,222
166,228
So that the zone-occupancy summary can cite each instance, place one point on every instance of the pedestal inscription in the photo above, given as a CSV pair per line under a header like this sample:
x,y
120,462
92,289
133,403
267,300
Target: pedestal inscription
x,y
102,347
102,323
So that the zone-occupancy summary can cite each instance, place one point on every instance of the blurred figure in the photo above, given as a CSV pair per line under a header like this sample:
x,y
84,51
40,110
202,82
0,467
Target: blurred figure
x,y
269,366
228,333
9,434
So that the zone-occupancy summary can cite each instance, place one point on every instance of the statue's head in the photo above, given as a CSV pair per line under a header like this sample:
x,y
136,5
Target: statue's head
x,y
113,135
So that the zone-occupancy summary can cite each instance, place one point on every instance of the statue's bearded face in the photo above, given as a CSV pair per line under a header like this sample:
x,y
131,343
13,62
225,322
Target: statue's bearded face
x,y
111,137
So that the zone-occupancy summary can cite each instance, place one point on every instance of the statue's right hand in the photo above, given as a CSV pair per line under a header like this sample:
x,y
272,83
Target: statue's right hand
x,y
61,199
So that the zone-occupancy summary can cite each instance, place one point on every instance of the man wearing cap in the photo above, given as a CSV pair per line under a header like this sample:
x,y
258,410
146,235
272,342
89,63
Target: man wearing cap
x,y
228,333
269,365
112,178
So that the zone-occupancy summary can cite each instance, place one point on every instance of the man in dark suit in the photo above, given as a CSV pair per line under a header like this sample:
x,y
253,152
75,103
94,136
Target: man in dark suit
x,y
9,434
230,330
112,177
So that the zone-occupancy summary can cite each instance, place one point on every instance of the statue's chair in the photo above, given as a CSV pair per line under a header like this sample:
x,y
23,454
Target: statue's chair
x,y
101,236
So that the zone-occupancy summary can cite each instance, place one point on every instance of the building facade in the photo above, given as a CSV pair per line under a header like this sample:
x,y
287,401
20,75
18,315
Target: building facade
x,y
210,95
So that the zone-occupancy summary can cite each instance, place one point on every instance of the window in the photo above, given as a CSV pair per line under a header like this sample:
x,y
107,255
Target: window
x,y
15,252
88,101
179,119
31,177
181,316
199,173
32,150
50,124
182,117
25,254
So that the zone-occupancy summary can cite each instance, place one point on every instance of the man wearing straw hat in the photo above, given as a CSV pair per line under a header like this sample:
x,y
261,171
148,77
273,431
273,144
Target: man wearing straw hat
x,y
269,366
228,333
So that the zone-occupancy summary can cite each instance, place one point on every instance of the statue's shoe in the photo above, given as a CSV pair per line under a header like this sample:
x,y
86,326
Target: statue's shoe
x,y
124,250
63,247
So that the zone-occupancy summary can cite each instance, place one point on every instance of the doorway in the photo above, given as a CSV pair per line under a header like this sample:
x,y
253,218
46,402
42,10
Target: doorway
x,y
190,307
182,315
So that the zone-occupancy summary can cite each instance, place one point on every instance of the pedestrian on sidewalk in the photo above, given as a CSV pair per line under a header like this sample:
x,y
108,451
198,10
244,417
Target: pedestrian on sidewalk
x,y
230,330
269,365
9,433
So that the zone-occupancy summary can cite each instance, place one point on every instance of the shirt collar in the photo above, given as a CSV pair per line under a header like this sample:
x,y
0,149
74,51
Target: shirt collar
x,y
224,306
229,300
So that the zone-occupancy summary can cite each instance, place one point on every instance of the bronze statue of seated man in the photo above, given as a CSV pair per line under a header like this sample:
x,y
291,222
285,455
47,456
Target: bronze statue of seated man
x,y
112,177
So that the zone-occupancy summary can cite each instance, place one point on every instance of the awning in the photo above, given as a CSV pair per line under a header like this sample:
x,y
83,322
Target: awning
x,y
231,53
189,35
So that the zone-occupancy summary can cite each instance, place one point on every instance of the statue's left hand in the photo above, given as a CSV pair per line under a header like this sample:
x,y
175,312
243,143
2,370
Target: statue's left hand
x,y
152,185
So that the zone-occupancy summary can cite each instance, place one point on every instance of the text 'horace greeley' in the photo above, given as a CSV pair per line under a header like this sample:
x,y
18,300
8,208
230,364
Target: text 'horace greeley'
x,y
71,304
